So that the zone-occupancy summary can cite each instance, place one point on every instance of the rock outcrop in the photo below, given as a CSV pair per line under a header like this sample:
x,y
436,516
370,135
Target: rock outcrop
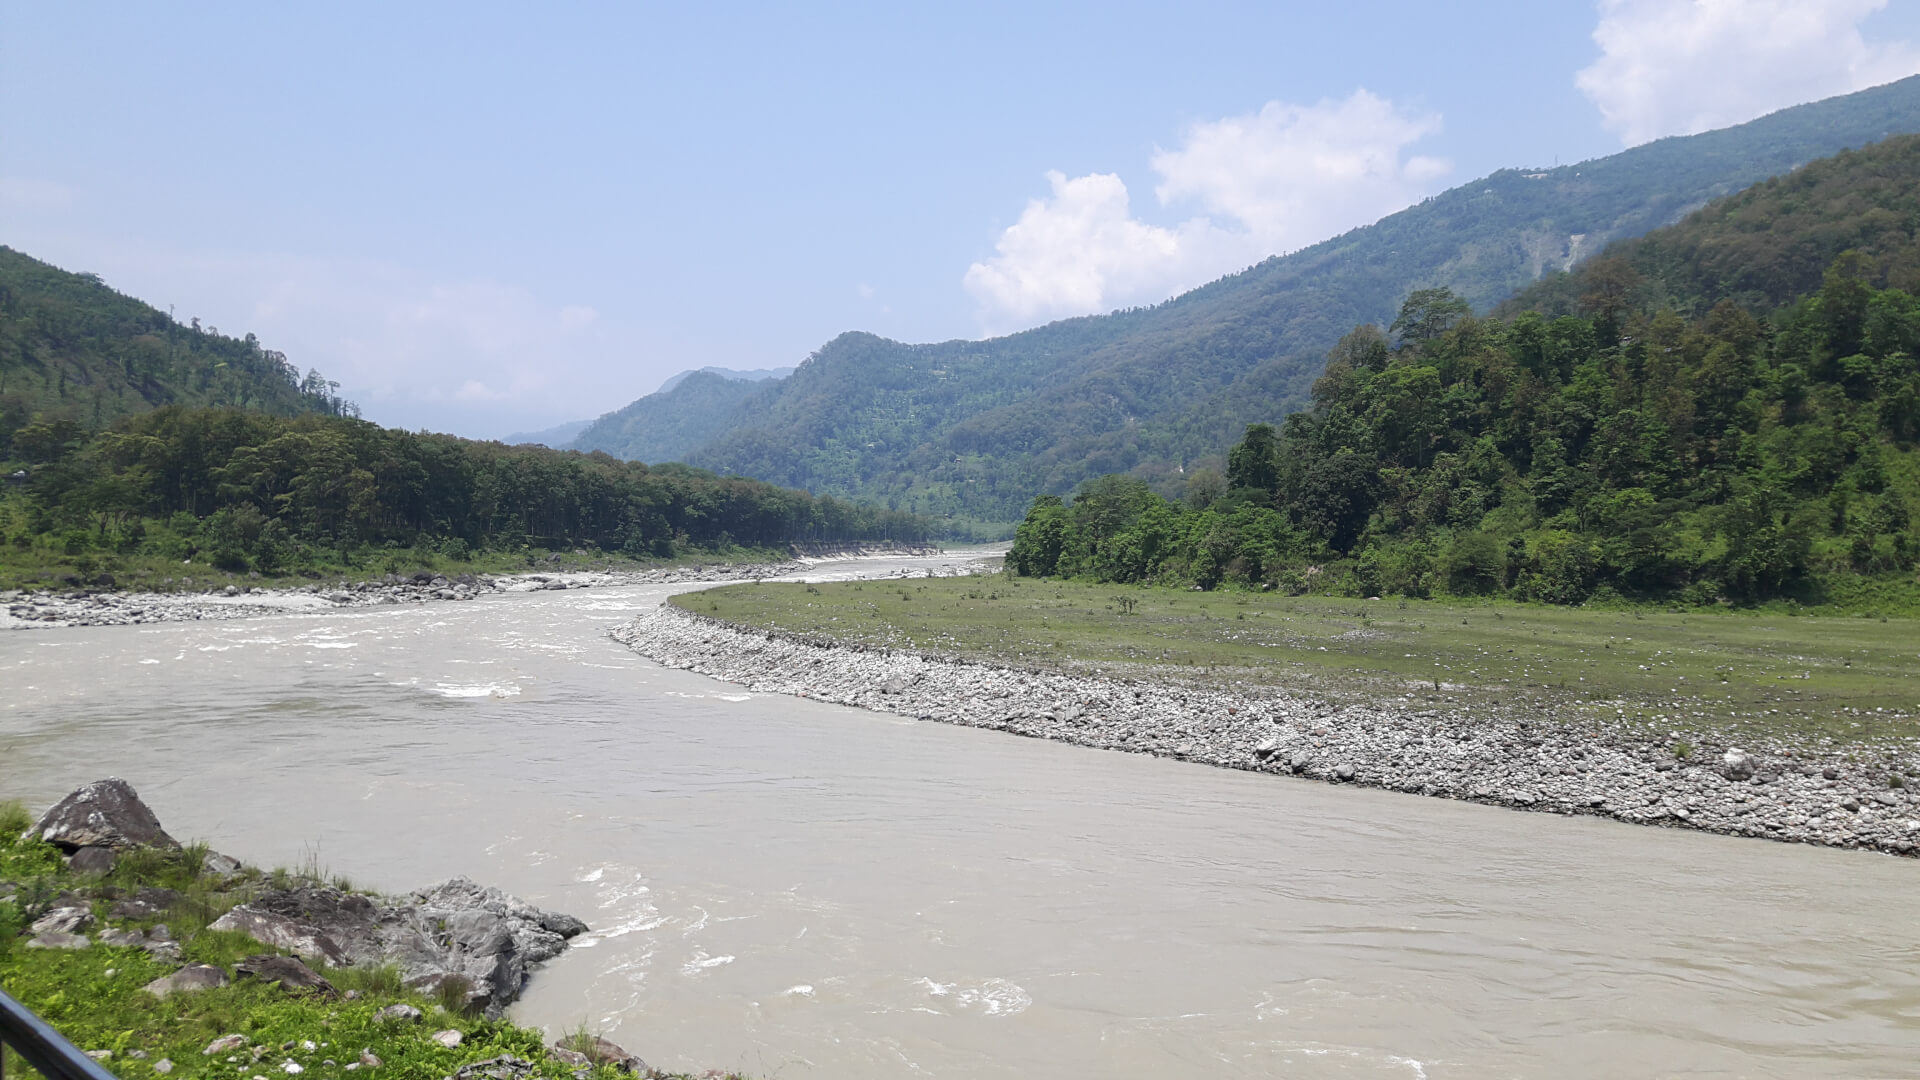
x,y
106,813
455,938
477,941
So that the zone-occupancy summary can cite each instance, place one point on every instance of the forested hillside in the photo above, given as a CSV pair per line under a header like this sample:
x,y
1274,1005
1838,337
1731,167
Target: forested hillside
x,y
670,423
969,430
247,491
70,346
128,438
1724,410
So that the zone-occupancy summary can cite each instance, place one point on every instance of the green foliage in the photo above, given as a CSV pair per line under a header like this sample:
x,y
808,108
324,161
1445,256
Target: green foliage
x,y
1678,447
968,431
78,356
250,492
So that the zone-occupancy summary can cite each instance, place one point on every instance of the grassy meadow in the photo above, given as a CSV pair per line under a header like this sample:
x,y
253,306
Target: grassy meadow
x,y
1769,673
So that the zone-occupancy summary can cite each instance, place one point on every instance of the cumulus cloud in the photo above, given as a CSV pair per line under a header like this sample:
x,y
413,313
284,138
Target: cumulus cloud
x,y
1266,182
1677,67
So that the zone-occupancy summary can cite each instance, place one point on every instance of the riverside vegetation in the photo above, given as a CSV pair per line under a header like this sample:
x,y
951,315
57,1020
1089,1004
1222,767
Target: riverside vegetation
x,y
234,492
155,909
137,450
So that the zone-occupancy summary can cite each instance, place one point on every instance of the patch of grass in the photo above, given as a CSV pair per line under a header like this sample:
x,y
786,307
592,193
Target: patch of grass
x,y
1732,673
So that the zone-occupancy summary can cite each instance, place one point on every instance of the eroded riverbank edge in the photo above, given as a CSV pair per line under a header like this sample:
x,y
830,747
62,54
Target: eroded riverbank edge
x,y
1769,790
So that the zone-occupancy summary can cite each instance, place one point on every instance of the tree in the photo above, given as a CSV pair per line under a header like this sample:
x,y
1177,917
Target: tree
x,y
1039,540
1254,462
1428,313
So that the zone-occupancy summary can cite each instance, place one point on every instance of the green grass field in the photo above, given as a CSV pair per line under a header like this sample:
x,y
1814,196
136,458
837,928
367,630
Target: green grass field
x,y
1798,677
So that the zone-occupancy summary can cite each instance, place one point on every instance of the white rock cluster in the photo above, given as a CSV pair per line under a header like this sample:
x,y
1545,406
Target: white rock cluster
x,y
1776,792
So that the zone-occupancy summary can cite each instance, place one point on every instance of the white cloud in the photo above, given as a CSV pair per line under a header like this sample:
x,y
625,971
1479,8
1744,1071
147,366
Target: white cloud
x,y
1270,181
1677,67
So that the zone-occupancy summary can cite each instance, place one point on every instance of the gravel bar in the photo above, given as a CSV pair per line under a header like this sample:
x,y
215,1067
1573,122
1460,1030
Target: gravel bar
x,y
1773,791
42,610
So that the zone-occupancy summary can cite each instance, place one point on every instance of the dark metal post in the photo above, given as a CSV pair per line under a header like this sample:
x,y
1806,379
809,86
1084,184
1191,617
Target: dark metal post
x,y
44,1048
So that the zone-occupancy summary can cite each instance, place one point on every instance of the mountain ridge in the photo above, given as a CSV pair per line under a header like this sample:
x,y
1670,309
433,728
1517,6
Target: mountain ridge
x,y
967,430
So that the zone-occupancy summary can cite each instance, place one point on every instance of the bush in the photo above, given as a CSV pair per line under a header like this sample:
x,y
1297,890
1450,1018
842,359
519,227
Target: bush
x,y
1475,564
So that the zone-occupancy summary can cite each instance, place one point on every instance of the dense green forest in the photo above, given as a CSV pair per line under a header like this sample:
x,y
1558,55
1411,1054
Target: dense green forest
x,y
71,345
248,491
1724,410
673,421
968,430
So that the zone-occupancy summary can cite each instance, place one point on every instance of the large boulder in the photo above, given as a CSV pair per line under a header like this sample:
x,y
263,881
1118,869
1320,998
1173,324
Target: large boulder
x,y
1737,764
453,938
106,813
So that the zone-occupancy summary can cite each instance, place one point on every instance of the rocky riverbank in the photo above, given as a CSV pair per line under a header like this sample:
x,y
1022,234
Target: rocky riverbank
x,y
455,940
1771,790
158,957
46,609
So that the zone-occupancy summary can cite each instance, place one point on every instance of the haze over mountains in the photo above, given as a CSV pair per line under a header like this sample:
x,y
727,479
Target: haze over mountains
x,y
970,430
686,412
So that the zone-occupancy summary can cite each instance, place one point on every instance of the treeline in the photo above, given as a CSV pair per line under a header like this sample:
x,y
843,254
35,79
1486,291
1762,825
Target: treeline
x,y
1623,451
71,345
245,490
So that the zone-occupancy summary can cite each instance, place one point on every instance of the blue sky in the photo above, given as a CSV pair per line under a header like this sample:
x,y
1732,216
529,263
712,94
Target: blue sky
x,y
485,218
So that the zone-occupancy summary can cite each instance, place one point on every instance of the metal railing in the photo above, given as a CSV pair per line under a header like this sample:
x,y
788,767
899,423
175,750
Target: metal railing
x,y
42,1047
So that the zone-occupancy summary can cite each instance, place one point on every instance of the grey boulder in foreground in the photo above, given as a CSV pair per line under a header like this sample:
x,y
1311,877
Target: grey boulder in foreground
x,y
477,940
107,814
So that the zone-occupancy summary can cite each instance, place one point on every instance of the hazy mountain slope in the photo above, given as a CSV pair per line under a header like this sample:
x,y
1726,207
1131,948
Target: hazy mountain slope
x,y
71,345
749,375
558,437
1765,246
970,430
666,425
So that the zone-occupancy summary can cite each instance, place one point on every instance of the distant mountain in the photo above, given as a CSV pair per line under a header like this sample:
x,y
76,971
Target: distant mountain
x,y
970,430
72,347
557,437
688,410
756,375
1727,409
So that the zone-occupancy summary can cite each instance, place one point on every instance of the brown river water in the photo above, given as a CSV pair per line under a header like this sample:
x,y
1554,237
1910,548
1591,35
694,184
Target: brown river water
x,y
793,889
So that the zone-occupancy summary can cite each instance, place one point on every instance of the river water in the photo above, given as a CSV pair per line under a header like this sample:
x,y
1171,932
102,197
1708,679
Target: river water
x,y
795,889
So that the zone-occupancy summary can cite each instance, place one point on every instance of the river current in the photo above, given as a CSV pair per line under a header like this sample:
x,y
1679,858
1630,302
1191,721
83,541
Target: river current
x,y
795,889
